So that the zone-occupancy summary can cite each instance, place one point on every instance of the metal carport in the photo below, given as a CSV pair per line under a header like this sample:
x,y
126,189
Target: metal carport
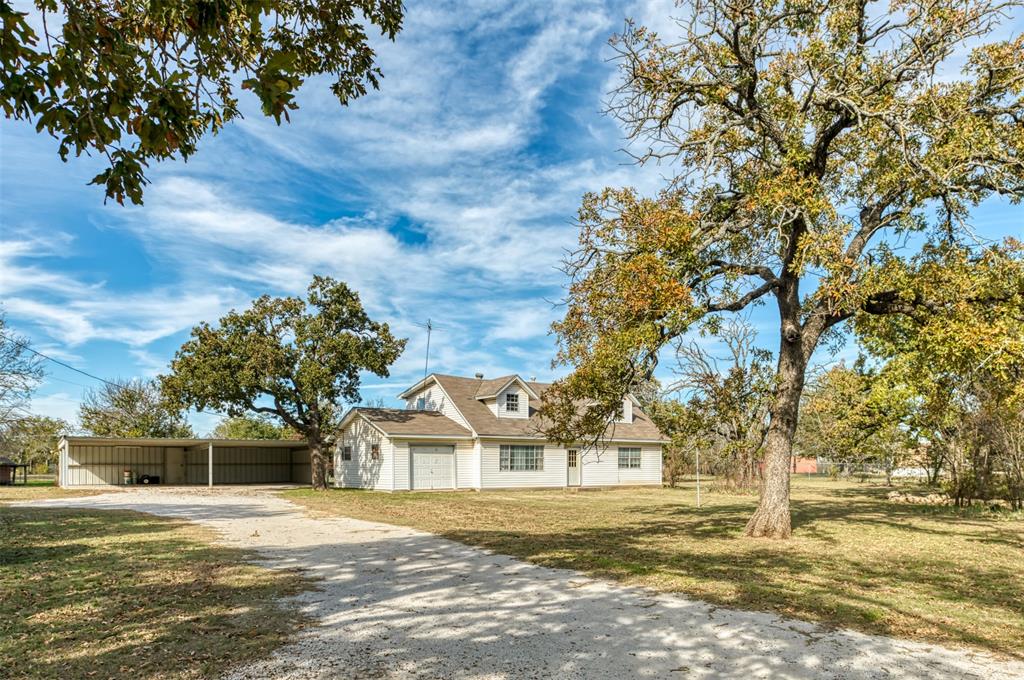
x,y
98,461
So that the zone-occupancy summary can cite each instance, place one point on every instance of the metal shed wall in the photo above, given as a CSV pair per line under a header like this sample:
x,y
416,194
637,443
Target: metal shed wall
x,y
90,465
103,464
239,465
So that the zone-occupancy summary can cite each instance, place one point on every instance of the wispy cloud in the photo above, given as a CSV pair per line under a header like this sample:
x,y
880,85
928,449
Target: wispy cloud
x,y
448,194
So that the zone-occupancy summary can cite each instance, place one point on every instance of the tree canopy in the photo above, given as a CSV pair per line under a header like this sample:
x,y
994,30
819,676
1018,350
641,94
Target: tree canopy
x,y
20,373
33,440
142,82
856,416
293,359
249,427
819,165
132,408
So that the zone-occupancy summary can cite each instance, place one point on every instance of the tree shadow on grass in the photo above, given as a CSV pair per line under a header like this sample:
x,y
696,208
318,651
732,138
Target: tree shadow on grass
x,y
839,588
121,594
417,603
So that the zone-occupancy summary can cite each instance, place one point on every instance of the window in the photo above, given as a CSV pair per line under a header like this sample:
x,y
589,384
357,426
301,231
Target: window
x,y
629,457
573,458
515,457
346,453
512,403
375,452
421,404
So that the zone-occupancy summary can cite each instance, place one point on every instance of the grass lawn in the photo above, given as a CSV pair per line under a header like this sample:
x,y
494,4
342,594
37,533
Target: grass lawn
x,y
38,489
118,594
855,559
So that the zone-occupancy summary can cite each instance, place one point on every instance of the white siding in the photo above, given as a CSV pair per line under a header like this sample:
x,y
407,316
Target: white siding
x,y
467,468
362,471
493,477
465,465
478,467
627,410
497,406
435,399
402,465
603,469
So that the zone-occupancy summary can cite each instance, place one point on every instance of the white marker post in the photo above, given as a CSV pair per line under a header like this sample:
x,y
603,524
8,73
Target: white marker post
x,y
209,465
698,478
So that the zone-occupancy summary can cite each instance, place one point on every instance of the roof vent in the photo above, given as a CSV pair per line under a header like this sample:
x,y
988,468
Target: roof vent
x,y
479,376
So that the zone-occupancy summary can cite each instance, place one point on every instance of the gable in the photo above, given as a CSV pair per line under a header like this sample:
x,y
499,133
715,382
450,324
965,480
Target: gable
x,y
484,422
499,404
434,398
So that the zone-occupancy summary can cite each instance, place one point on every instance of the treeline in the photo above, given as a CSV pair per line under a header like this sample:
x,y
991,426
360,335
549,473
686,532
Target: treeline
x,y
945,407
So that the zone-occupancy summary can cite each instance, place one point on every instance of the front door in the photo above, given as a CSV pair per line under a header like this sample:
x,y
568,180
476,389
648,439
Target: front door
x,y
573,461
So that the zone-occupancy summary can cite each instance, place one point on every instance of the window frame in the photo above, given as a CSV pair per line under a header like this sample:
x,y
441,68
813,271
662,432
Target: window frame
x,y
346,452
375,451
630,458
508,462
510,399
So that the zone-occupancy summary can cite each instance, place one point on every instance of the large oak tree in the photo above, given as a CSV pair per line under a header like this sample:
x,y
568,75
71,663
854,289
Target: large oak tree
x,y
824,154
132,408
145,81
293,359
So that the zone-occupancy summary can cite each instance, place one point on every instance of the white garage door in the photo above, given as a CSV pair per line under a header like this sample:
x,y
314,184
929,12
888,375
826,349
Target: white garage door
x,y
433,467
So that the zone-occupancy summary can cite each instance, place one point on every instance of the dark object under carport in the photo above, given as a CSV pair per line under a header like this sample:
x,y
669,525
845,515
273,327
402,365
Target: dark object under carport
x,y
9,471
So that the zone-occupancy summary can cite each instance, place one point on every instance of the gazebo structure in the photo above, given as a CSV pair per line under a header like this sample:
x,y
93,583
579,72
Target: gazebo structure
x,y
9,471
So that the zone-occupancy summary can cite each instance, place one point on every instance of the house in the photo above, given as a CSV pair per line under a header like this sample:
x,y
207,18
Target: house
x,y
470,433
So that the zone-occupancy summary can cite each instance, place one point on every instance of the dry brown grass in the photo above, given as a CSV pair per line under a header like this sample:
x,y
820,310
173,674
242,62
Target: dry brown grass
x,y
118,594
855,560
40,490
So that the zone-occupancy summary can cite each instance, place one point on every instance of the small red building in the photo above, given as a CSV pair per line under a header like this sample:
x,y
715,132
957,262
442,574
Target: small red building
x,y
808,466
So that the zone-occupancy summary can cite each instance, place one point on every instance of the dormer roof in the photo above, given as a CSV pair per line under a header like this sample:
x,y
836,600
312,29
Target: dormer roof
x,y
490,389
469,394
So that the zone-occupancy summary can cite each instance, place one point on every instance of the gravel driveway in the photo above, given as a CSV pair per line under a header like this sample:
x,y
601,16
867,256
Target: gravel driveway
x,y
399,603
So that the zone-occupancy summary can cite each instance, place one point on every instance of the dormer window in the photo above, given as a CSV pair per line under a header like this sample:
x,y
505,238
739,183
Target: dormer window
x,y
512,403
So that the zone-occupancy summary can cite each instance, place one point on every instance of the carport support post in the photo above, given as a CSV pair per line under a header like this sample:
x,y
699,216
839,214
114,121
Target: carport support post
x,y
209,464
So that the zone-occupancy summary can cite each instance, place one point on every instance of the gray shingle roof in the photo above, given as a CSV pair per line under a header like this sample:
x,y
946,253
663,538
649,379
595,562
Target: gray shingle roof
x,y
464,391
393,421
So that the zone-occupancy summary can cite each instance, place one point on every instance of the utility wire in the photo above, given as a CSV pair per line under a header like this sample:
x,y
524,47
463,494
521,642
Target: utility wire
x,y
57,361
116,417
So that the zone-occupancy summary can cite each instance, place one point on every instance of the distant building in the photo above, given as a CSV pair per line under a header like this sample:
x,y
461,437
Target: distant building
x,y
807,466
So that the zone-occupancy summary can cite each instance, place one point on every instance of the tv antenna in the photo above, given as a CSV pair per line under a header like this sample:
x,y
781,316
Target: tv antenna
x,y
430,329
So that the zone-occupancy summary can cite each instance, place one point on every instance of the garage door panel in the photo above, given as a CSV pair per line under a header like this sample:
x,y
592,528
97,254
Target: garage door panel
x,y
433,467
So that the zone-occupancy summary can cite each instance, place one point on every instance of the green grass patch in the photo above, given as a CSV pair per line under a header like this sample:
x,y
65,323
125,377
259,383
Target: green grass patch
x,y
119,594
855,559
40,489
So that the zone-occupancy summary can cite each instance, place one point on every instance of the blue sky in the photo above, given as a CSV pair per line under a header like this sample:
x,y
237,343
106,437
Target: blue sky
x,y
448,194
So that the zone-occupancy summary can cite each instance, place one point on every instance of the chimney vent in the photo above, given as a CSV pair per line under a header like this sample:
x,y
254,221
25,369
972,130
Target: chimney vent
x,y
479,376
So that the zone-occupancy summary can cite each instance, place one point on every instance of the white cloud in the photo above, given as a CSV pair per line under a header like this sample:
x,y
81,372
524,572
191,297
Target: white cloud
x,y
73,311
61,404
442,195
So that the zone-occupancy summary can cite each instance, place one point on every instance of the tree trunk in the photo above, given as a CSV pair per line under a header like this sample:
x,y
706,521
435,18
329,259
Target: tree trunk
x,y
318,463
772,518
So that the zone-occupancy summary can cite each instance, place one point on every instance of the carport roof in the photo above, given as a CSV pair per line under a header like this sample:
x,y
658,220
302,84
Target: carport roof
x,y
187,443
